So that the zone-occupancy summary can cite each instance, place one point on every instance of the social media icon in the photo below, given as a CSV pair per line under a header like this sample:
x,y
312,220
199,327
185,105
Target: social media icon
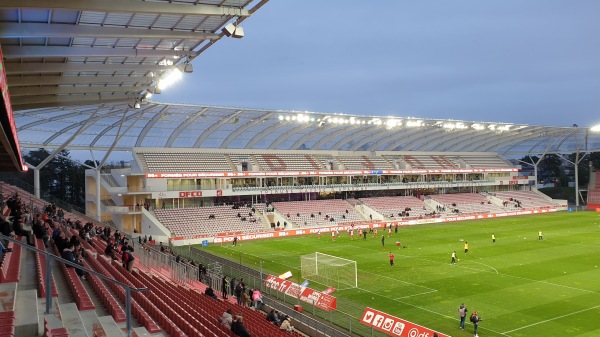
x,y
398,328
387,324
378,320
368,317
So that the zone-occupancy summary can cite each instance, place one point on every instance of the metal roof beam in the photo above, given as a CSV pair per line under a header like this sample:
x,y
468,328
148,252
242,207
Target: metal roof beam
x,y
53,90
21,30
38,68
14,81
21,103
127,6
59,51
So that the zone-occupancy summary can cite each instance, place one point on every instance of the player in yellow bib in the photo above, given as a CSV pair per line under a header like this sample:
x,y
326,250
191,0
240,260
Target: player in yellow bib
x,y
466,247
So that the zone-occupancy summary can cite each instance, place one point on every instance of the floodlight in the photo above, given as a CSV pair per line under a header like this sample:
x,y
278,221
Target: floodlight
x,y
135,105
280,117
477,126
414,123
238,33
595,128
229,29
185,67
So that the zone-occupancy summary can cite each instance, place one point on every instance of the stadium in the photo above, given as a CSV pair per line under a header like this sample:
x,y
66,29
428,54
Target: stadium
x,y
212,195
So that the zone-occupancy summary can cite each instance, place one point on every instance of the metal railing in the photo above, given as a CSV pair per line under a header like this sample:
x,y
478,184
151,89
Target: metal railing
x,y
332,323
182,273
48,281
44,195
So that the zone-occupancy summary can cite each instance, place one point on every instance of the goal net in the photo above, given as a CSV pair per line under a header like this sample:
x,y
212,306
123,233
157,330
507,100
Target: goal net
x,y
329,270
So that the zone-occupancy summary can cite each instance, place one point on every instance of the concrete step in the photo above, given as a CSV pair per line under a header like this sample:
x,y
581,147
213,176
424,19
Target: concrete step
x,y
53,318
111,328
71,319
8,294
142,332
92,323
26,317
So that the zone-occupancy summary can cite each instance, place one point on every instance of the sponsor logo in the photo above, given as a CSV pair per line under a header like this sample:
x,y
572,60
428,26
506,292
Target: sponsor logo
x,y
394,326
192,194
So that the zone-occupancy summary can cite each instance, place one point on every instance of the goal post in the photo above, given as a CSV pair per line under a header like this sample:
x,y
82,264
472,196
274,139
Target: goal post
x,y
329,270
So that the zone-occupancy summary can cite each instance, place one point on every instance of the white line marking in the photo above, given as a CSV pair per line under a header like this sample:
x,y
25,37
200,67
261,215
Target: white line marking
x,y
395,280
419,294
484,265
552,319
431,311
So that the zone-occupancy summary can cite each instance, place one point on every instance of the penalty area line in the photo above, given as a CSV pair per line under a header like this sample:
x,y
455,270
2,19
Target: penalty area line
x,y
552,319
419,294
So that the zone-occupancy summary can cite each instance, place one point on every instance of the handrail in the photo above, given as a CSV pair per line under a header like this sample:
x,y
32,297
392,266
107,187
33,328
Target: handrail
x,y
50,257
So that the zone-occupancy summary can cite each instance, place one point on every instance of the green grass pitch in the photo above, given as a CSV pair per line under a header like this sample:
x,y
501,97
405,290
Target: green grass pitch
x,y
522,287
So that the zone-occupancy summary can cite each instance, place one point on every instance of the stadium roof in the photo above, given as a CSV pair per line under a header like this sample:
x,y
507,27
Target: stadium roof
x,y
80,52
66,52
119,127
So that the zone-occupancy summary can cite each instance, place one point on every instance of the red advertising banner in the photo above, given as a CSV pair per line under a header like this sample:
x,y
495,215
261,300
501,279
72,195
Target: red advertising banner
x,y
395,326
320,300
341,228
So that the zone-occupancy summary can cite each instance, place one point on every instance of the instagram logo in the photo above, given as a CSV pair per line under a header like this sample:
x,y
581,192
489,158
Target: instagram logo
x,y
387,324
398,328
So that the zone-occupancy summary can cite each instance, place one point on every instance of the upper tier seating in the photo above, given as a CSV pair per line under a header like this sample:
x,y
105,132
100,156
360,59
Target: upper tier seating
x,y
337,209
184,162
466,203
189,222
289,162
484,161
528,199
365,163
425,162
392,207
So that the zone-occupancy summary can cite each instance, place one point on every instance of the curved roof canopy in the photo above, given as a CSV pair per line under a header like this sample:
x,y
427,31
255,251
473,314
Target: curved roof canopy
x,y
118,127
70,52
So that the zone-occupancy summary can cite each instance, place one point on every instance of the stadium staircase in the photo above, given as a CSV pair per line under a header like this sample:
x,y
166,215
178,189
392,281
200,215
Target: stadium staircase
x,y
593,199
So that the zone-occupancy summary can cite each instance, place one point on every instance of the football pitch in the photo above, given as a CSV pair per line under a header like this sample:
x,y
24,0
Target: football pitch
x,y
520,286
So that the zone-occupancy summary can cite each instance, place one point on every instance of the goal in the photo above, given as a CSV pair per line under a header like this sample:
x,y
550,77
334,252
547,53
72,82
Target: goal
x,y
329,270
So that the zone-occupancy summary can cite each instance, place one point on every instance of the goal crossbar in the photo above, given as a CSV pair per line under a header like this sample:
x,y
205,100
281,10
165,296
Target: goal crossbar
x,y
329,270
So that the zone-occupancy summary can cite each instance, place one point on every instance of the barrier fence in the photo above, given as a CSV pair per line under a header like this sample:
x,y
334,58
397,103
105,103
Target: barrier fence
x,y
342,322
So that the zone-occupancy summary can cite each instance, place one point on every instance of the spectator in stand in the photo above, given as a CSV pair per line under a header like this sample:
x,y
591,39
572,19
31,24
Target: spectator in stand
x,y
210,292
239,289
128,258
286,325
239,328
5,227
20,231
40,230
224,286
257,299
245,298
227,318
110,250
272,317
69,255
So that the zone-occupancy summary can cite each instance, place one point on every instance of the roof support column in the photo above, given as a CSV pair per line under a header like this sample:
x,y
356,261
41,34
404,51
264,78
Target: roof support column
x,y
98,205
36,182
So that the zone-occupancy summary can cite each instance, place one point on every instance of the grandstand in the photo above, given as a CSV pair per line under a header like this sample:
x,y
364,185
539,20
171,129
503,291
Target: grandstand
x,y
206,174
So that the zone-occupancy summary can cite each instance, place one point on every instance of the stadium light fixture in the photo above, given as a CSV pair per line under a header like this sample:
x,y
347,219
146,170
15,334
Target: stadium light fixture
x,y
412,124
169,78
233,30
478,126
281,117
492,127
595,128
